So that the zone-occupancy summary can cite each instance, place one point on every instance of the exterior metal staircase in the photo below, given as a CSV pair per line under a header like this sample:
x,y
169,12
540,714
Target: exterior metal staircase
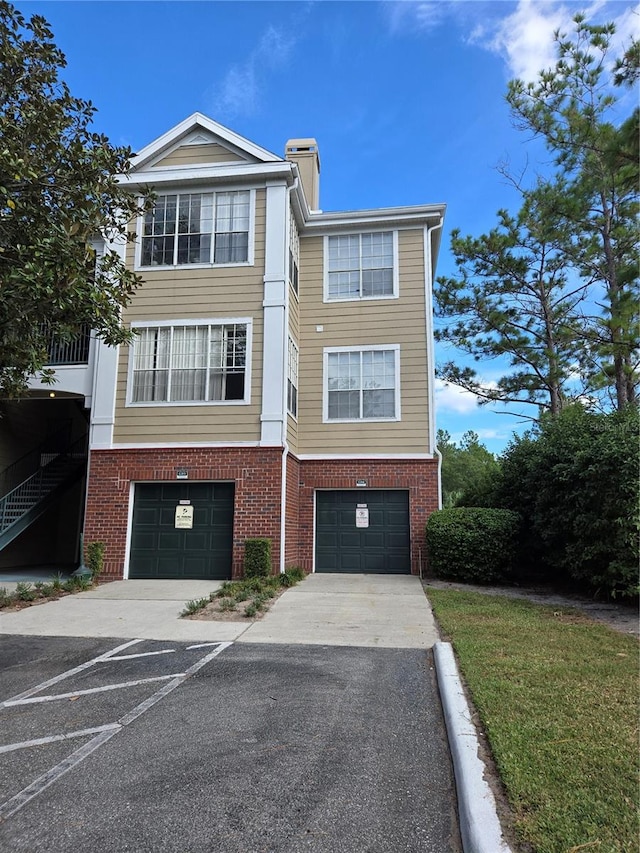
x,y
33,483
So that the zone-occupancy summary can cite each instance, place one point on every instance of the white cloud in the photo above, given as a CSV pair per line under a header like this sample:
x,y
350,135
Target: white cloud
x,y
452,398
523,36
239,91
425,15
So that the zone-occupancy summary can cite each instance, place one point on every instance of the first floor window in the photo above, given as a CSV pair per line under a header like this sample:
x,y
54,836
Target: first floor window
x,y
362,384
189,363
292,379
197,228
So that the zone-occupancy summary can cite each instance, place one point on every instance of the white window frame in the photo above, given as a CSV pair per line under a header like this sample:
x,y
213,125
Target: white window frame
x,y
293,373
207,321
208,264
294,256
395,348
396,278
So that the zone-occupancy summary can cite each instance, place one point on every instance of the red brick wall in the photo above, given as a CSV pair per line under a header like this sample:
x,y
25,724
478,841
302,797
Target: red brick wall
x,y
292,514
256,473
419,476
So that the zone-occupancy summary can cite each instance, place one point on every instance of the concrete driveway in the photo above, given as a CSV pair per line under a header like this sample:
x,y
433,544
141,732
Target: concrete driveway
x,y
384,611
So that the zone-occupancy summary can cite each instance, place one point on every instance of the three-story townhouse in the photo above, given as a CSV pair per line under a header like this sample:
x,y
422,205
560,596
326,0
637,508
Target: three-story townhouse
x,y
281,379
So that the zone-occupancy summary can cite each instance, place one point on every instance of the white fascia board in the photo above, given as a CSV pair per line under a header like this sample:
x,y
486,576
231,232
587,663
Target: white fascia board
x,y
208,174
198,120
383,216
177,445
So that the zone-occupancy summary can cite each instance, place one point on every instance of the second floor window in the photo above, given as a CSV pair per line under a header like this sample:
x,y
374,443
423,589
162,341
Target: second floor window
x,y
360,266
189,363
197,228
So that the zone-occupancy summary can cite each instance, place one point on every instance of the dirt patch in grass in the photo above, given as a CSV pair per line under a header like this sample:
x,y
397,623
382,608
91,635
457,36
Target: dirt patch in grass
x,y
212,612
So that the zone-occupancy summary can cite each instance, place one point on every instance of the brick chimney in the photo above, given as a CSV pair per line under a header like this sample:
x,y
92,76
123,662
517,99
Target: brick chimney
x,y
304,152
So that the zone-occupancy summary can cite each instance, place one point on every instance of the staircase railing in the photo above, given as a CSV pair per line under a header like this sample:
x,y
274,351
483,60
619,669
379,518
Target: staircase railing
x,y
40,483
20,470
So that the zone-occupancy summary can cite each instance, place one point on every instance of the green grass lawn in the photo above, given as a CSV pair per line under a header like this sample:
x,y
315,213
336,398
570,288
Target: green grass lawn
x,y
558,698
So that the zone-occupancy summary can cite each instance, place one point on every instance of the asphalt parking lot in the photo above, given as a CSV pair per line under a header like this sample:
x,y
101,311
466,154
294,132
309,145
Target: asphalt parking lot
x,y
125,745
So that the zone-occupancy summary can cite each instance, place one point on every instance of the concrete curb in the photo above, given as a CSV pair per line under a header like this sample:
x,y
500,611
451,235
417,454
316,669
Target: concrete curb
x,y
479,825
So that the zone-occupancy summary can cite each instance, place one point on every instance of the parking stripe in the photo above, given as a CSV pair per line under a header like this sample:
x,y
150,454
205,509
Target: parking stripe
x,y
40,741
70,672
142,654
15,803
33,700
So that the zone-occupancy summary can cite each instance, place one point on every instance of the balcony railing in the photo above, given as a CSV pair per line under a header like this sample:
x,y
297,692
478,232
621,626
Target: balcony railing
x,y
69,352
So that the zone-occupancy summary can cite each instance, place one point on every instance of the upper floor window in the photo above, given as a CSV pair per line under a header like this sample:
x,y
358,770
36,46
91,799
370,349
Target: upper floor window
x,y
197,228
189,363
292,379
361,266
362,384
294,253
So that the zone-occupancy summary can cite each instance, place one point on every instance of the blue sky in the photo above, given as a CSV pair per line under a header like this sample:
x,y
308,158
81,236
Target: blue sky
x,y
405,99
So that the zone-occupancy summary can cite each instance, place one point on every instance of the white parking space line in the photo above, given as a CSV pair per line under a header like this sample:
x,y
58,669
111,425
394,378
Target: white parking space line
x,y
74,671
201,646
15,803
34,700
142,654
40,741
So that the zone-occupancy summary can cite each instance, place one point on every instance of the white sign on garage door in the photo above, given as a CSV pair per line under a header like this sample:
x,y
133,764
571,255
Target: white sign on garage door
x,y
184,517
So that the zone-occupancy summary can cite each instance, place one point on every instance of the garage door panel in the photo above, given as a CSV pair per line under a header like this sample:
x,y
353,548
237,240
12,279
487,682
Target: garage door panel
x,y
148,515
349,540
350,562
396,564
396,541
382,546
346,517
197,541
327,516
167,515
169,540
159,549
374,563
396,519
331,562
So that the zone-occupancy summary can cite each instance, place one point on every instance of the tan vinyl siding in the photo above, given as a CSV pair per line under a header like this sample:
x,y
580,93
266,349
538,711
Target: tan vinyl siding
x,y
192,155
294,316
361,323
292,433
183,294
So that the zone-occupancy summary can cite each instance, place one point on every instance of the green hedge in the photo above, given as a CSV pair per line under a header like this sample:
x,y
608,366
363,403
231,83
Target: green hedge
x,y
472,544
257,558
574,482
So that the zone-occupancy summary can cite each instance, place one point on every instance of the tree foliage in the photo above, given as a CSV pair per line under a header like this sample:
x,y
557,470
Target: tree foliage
x,y
554,289
468,465
58,191
574,482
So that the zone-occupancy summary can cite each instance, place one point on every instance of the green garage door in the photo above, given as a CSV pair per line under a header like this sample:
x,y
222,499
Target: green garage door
x,y
364,531
160,549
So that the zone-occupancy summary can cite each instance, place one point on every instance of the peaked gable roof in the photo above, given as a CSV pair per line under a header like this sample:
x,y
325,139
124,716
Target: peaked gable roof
x,y
194,123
